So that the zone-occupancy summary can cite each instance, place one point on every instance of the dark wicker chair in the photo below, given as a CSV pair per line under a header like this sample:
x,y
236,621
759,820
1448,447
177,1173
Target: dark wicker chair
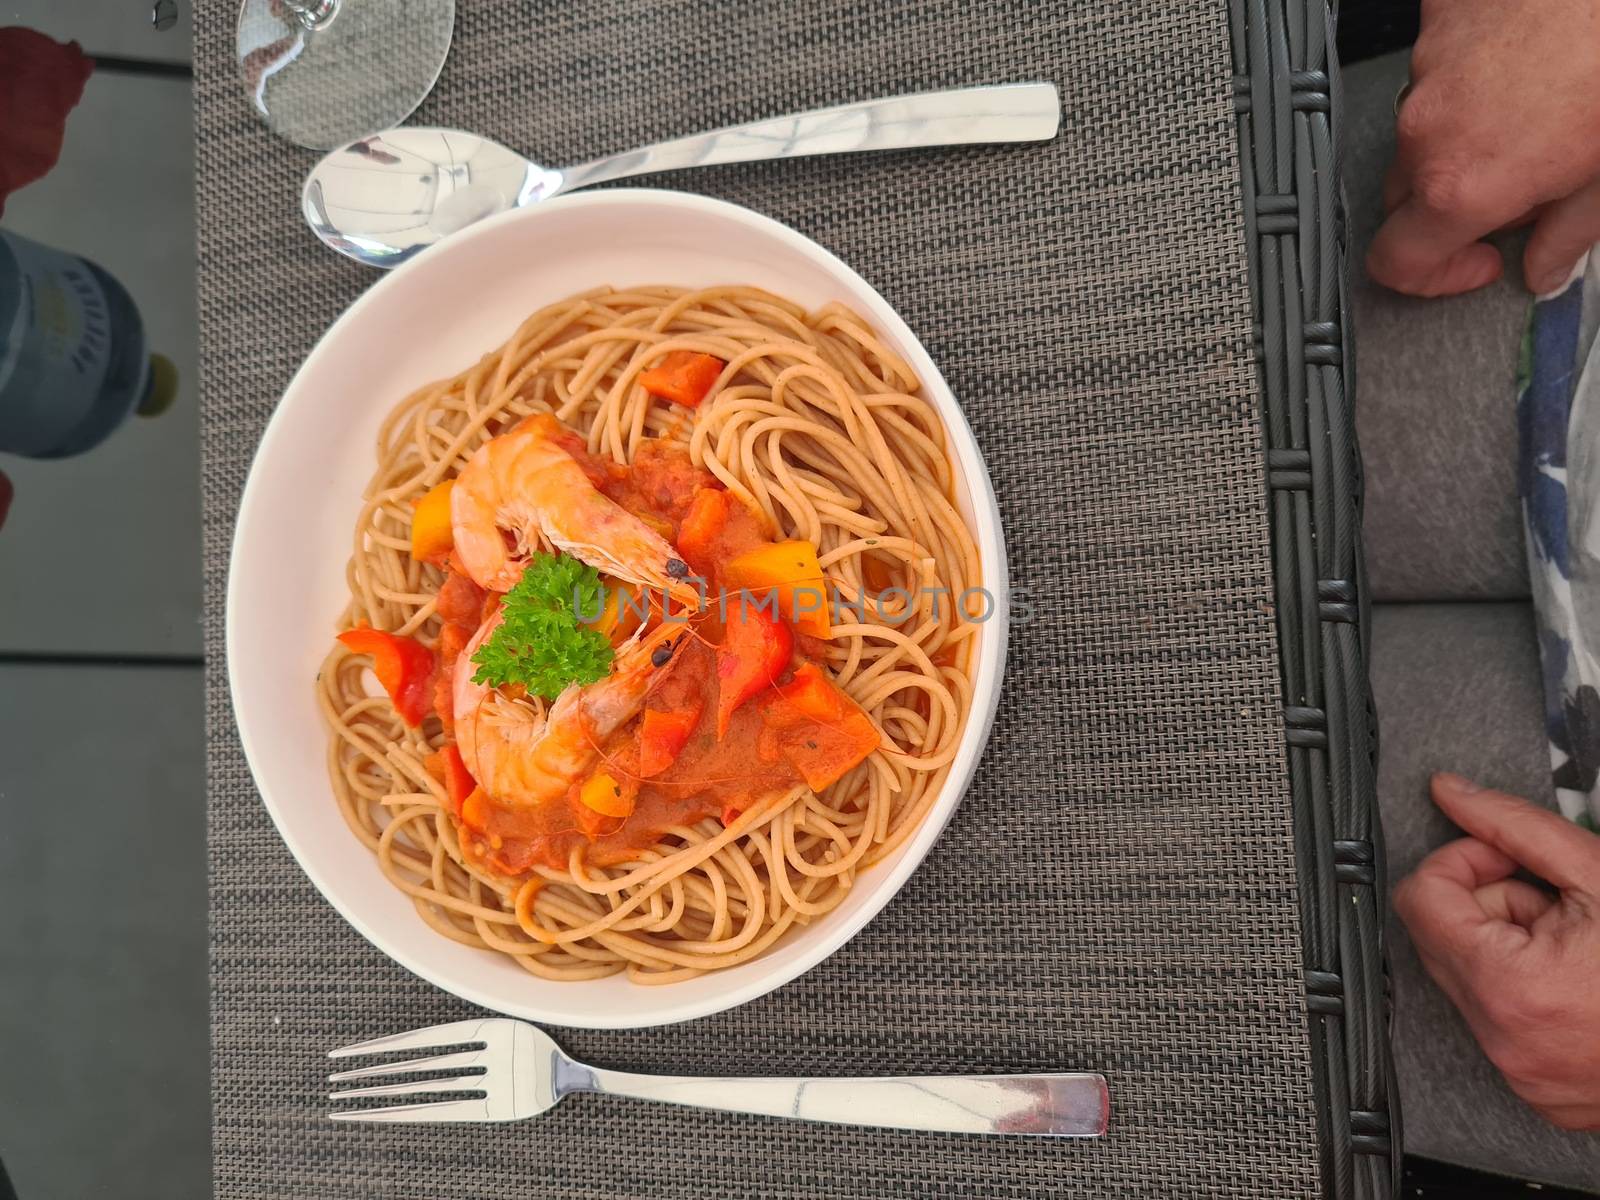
x,y
1286,90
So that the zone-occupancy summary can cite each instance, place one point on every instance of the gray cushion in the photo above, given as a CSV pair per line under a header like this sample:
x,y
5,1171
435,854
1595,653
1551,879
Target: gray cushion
x,y
1457,688
1435,396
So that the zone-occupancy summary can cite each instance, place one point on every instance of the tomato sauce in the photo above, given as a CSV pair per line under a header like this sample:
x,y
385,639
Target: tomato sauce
x,y
660,484
710,776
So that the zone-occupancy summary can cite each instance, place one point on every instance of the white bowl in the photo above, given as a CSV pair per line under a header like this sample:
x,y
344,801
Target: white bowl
x,y
286,581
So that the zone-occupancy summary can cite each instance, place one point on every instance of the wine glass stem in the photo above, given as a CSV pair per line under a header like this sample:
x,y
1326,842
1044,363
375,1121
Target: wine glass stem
x,y
313,14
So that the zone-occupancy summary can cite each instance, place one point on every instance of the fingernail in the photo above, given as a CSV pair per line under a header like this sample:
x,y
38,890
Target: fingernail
x,y
1554,282
1459,784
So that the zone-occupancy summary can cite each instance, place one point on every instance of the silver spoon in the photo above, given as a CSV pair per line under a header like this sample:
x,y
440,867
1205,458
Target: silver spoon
x,y
383,199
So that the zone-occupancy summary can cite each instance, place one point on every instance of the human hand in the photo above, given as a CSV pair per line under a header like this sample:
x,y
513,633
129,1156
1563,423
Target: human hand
x,y
1521,965
1500,126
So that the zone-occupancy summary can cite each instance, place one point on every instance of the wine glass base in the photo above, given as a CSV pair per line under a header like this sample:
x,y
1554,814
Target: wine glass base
x,y
344,69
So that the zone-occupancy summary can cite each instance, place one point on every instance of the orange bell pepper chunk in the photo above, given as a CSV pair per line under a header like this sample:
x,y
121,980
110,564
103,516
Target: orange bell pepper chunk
x,y
822,732
602,793
475,810
708,513
403,665
621,612
791,570
432,535
814,695
683,377
461,600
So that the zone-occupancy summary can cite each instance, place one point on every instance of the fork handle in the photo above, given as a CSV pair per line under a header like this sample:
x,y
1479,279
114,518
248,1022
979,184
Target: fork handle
x,y
1015,112
1051,1105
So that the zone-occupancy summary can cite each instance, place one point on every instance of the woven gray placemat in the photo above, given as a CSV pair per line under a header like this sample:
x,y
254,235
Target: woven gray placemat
x,y
1117,892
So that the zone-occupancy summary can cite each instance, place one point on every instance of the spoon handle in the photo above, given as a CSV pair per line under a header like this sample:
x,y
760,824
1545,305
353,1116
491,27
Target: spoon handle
x,y
1017,112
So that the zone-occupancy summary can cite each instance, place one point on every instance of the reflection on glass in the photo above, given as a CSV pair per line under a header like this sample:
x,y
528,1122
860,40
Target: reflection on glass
x,y
323,72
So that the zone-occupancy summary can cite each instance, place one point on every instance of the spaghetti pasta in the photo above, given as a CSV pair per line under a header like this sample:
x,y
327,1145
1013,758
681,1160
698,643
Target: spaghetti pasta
x,y
815,425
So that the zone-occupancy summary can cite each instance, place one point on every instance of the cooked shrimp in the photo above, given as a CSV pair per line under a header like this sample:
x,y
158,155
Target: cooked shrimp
x,y
524,755
523,483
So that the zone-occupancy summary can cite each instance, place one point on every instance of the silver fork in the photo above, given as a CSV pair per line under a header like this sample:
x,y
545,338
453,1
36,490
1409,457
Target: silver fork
x,y
521,1073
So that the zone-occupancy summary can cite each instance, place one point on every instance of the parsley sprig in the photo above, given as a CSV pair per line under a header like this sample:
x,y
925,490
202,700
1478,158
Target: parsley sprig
x,y
540,642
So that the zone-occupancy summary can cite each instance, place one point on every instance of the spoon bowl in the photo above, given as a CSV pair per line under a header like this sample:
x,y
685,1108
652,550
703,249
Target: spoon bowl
x,y
383,199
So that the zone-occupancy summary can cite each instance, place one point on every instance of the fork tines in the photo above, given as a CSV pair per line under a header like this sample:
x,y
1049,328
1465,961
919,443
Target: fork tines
x,y
457,1071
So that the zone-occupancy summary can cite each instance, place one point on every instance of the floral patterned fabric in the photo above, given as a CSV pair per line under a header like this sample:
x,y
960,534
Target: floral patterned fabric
x,y
1558,411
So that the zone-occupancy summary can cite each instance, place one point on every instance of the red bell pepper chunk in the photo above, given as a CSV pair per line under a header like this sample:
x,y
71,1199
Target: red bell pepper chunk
x,y
662,737
755,649
453,640
683,377
403,665
447,766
